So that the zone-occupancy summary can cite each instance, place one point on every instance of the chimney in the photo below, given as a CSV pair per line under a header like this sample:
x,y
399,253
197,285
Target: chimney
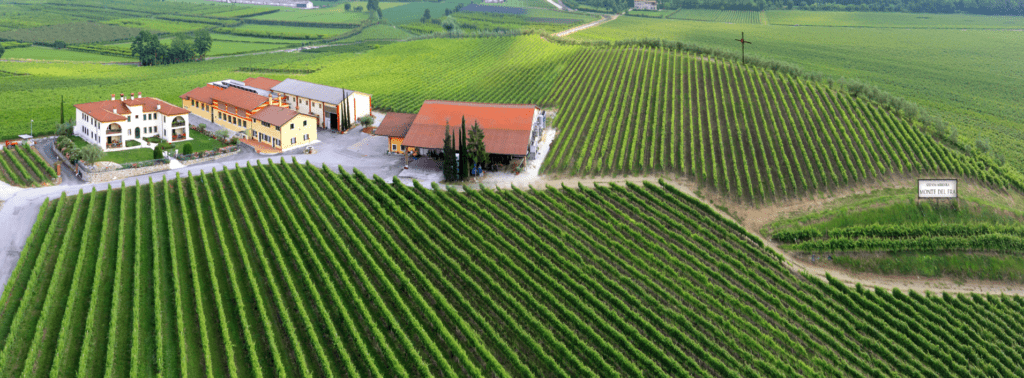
x,y
140,95
122,96
113,98
133,96
157,106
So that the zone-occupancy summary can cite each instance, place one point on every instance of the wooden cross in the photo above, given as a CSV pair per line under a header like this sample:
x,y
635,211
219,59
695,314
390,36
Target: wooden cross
x,y
743,44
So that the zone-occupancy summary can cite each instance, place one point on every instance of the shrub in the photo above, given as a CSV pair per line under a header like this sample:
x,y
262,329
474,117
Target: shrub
x,y
983,145
158,153
91,153
366,120
63,143
348,7
66,129
359,8
222,134
187,149
201,127
234,141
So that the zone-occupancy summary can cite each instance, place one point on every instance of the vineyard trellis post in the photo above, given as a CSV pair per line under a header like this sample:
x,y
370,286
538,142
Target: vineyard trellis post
x,y
743,47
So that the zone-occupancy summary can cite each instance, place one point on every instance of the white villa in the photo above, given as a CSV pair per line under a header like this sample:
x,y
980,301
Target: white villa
x,y
111,124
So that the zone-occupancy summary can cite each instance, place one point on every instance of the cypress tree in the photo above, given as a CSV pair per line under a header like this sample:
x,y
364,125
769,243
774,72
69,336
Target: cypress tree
x,y
61,110
448,160
464,156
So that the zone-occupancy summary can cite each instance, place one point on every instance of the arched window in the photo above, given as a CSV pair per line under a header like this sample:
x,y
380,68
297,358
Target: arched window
x,y
178,121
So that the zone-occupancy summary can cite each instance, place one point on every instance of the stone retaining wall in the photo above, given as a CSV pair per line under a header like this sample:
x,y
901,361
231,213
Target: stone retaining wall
x,y
209,158
93,177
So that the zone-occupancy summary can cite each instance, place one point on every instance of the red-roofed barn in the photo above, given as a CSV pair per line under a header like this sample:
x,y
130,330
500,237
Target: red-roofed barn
x,y
508,129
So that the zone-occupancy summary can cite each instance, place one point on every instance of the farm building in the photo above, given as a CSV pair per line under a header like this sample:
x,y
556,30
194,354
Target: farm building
x,y
324,102
645,5
111,124
251,108
395,126
509,130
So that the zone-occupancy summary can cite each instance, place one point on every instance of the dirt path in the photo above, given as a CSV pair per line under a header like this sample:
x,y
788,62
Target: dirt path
x,y
603,19
755,218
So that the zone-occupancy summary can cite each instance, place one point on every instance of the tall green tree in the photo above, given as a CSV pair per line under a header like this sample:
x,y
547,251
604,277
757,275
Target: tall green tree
x,y
202,43
426,15
62,110
148,48
181,50
372,5
1,50
448,163
477,150
463,156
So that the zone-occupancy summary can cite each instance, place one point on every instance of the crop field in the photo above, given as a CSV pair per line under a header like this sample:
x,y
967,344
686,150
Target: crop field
x,y
158,25
169,279
84,32
333,14
290,29
383,4
47,53
755,134
966,77
228,47
518,70
22,166
893,20
379,32
411,12
714,15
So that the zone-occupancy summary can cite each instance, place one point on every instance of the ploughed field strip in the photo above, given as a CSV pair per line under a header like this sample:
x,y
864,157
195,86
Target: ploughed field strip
x,y
756,134
22,166
221,275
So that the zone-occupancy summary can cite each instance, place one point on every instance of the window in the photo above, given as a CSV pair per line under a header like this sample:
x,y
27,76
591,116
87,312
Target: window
x,y
304,122
278,128
265,123
394,147
293,140
136,116
305,137
293,126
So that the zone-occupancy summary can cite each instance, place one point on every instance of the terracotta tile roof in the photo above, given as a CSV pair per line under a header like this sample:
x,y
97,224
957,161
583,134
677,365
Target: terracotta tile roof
x,y
115,110
202,94
395,124
274,115
261,82
239,98
506,127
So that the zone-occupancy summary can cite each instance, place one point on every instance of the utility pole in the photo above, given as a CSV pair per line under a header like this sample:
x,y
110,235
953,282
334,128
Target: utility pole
x,y
30,128
743,44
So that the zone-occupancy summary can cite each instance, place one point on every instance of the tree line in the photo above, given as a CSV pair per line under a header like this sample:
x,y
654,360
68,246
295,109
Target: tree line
x,y
151,52
987,7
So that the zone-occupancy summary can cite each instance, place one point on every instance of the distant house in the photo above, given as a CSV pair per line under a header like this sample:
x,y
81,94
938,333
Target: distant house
x,y
395,126
306,4
645,5
111,124
494,1
509,130
323,102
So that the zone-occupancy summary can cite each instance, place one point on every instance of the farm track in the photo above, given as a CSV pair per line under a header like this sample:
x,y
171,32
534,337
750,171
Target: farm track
x,y
604,18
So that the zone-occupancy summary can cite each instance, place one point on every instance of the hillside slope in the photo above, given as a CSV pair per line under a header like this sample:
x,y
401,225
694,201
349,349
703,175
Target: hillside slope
x,y
752,133
218,274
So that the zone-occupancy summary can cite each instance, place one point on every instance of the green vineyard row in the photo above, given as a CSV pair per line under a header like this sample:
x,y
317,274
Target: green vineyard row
x,y
751,133
22,166
293,270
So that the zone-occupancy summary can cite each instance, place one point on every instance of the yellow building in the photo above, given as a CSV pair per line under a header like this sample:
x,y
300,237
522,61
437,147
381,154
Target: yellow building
x,y
282,128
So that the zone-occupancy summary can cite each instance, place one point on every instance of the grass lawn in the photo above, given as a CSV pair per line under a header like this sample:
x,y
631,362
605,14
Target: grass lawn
x,y
46,53
199,143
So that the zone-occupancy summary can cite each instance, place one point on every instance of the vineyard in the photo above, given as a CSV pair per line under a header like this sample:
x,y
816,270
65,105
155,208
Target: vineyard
x,y
22,166
714,15
173,278
752,133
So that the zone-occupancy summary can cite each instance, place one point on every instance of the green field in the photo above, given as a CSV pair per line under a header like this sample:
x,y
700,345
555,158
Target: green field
x,y
85,32
374,32
714,15
229,47
47,53
757,135
158,25
22,166
967,77
292,29
327,15
171,278
893,20
522,4
412,12
892,233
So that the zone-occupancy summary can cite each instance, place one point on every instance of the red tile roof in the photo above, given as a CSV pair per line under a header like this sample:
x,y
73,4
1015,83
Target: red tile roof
x,y
115,110
506,127
274,115
202,94
261,82
396,124
240,98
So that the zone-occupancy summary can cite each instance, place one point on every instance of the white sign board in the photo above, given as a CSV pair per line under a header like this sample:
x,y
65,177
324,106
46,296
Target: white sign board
x,y
936,189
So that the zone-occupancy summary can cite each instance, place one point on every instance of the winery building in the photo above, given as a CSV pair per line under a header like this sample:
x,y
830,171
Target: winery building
x,y
112,124
325,103
510,130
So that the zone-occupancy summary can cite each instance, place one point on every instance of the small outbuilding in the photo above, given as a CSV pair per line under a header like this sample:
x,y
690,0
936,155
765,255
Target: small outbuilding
x,y
395,126
509,130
